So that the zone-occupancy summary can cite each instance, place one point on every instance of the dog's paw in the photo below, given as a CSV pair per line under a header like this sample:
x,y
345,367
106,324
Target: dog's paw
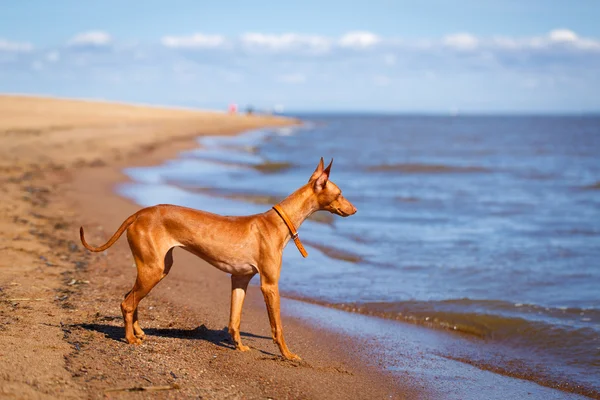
x,y
134,340
140,336
293,357
241,347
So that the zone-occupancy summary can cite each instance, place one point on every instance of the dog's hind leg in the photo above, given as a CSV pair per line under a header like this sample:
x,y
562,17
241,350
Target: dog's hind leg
x,y
137,330
149,274
151,267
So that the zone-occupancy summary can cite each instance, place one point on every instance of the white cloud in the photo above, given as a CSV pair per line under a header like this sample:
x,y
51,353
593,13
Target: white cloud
x,y
359,40
17,47
310,61
588,44
255,43
295,78
195,41
460,41
286,42
563,35
568,37
564,38
90,38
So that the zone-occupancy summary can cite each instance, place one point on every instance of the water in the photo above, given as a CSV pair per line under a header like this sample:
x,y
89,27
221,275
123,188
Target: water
x,y
485,226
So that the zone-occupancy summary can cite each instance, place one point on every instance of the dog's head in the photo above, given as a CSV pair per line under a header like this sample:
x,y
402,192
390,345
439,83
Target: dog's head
x,y
328,195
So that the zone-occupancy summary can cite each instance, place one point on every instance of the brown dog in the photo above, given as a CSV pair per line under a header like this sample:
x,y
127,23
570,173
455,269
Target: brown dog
x,y
241,246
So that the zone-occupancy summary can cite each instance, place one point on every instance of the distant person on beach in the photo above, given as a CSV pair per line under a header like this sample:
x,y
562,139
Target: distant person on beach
x,y
233,108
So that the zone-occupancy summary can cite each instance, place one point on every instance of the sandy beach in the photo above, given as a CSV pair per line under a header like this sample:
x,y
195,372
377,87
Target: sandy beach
x,y
61,328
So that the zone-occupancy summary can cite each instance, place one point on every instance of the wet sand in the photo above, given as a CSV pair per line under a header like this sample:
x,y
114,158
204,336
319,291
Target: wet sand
x,y
61,329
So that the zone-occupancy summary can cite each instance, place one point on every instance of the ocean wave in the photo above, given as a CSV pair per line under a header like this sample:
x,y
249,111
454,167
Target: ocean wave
x,y
410,168
407,199
336,253
594,186
291,130
285,130
578,384
241,158
270,167
569,333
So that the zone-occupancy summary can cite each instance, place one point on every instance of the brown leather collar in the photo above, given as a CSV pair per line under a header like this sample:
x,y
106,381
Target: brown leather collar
x,y
292,229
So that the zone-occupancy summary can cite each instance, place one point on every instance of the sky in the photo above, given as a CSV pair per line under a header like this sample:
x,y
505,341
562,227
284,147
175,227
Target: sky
x,y
430,56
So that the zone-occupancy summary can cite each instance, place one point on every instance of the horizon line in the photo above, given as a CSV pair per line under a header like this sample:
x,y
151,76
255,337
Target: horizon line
x,y
342,112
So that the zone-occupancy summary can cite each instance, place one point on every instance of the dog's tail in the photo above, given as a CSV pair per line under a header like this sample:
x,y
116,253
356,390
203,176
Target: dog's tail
x,y
114,237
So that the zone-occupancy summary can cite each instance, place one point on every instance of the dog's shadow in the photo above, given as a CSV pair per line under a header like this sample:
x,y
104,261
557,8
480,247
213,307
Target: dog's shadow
x,y
219,337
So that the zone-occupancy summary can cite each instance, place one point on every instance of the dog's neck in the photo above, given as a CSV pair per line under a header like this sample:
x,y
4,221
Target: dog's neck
x,y
300,205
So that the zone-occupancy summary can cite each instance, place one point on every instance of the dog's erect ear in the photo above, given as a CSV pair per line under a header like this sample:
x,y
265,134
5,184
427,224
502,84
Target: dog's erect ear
x,y
318,171
328,169
321,182
323,178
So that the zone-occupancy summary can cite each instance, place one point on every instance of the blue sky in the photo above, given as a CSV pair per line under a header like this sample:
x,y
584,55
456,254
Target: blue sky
x,y
433,56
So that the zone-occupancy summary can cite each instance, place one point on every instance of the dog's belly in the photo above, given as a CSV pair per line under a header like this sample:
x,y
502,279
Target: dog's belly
x,y
225,260
236,269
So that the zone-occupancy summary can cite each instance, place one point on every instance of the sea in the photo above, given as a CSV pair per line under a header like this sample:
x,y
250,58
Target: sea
x,y
486,227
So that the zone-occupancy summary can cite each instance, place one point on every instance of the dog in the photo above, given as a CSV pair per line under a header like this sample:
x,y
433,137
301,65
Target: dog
x,y
241,246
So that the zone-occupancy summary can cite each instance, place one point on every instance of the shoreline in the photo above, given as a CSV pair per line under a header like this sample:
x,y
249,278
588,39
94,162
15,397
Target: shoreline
x,y
74,332
456,363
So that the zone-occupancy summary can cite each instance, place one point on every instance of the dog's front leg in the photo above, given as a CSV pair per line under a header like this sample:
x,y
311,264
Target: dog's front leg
x,y
270,288
239,284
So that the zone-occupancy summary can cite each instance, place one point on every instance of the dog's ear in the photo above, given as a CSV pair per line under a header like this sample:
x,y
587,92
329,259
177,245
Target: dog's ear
x,y
323,178
328,169
318,171
321,182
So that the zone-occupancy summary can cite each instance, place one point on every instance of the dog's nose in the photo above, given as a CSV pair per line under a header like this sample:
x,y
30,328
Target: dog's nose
x,y
354,210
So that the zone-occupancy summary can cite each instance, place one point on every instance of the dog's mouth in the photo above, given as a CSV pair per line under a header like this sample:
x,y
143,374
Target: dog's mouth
x,y
340,213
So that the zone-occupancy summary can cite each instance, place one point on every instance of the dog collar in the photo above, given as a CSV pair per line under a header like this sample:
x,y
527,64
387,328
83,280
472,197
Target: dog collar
x,y
292,229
